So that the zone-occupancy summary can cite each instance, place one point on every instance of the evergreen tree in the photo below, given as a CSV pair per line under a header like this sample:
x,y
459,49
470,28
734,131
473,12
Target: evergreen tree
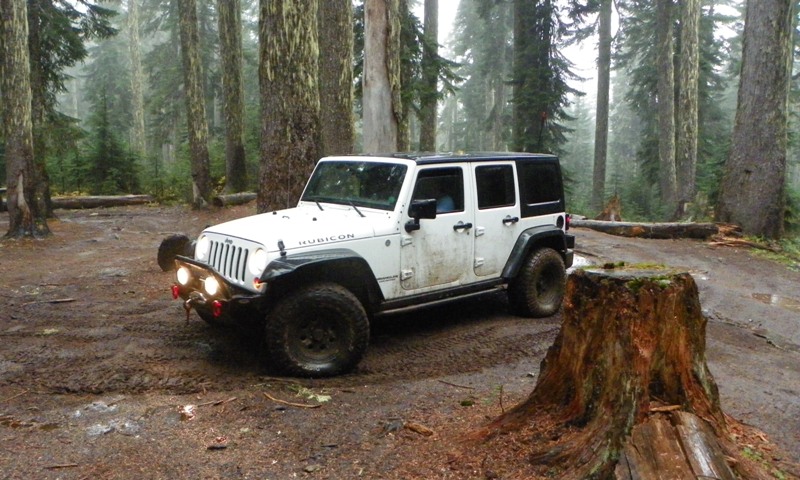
x,y
540,77
112,167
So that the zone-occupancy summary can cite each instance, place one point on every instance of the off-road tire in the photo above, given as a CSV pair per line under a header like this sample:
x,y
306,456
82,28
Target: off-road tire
x,y
172,246
317,331
538,289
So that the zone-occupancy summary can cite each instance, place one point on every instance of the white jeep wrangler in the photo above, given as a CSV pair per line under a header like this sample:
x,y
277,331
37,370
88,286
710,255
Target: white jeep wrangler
x,y
377,234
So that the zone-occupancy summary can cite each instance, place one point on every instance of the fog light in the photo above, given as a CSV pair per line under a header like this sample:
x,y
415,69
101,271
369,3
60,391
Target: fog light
x,y
211,286
183,275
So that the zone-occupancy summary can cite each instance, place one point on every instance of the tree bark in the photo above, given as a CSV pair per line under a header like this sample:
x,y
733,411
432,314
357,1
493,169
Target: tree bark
x,y
290,130
601,116
666,104
381,92
430,73
335,20
27,216
138,138
230,46
686,114
195,103
753,185
631,347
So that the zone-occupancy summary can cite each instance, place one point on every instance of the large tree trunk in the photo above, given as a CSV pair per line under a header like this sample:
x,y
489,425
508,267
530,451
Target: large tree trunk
x,y
382,110
41,100
430,73
752,191
686,115
335,20
601,117
289,100
630,353
27,216
230,39
650,230
138,139
666,104
195,103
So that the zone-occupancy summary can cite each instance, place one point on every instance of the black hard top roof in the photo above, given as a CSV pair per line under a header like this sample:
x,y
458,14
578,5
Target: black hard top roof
x,y
430,157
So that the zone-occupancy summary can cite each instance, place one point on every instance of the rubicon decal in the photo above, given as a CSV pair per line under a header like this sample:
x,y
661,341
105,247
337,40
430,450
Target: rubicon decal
x,y
332,238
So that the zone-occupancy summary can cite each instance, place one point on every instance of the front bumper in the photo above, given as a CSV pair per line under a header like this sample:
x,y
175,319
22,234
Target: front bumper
x,y
229,304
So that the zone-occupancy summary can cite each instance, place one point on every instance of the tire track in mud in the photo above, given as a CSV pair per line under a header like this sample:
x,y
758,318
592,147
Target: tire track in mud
x,y
167,355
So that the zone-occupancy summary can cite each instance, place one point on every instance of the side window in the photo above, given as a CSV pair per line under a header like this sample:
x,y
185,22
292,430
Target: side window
x,y
446,185
541,191
495,186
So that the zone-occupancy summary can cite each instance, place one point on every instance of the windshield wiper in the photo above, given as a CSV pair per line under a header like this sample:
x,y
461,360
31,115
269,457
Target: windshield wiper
x,y
318,205
356,208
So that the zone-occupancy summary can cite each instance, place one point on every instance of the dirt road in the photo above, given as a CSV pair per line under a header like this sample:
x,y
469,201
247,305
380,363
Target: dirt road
x,y
102,377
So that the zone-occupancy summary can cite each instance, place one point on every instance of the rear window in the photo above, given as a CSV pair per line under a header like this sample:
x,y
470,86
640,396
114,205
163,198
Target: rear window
x,y
541,191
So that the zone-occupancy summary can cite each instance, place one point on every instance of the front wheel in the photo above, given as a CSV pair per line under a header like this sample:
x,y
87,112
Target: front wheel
x,y
538,289
317,331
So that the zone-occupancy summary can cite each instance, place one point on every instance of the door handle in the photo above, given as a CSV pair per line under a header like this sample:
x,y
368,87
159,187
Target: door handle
x,y
509,220
462,226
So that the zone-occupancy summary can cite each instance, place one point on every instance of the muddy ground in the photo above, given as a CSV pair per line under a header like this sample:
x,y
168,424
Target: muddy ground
x,y
101,376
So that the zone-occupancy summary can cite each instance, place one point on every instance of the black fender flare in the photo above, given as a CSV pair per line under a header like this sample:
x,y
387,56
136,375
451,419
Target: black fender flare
x,y
339,265
543,235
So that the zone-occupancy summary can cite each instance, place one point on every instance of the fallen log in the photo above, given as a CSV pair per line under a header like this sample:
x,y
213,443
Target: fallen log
x,y
227,200
100,201
624,392
650,230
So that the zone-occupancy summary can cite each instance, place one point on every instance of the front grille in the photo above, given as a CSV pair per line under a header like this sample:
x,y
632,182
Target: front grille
x,y
229,260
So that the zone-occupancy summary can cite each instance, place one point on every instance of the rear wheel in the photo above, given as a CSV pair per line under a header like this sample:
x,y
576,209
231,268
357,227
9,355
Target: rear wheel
x,y
538,289
320,330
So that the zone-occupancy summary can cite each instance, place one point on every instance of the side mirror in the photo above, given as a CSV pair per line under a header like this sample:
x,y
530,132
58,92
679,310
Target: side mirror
x,y
419,209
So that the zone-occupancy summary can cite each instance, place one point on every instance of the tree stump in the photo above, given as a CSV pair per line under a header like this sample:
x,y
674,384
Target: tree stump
x,y
625,391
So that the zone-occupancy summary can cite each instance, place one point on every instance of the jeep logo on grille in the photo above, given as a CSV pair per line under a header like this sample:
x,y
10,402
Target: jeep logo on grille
x,y
228,241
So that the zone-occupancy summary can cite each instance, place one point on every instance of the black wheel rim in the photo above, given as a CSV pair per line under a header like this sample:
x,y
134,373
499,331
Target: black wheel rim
x,y
318,338
547,285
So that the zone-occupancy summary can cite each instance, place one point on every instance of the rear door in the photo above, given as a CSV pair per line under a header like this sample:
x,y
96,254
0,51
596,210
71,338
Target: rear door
x,y
497,216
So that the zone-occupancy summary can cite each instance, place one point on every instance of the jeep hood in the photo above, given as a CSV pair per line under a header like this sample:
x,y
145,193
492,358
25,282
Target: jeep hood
x,y
304,226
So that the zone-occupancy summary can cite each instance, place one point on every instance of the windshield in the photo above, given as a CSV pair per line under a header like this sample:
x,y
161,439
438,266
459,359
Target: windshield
x,y
362,184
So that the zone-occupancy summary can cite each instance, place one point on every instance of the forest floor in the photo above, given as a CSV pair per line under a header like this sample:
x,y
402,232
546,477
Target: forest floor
x,y
102,376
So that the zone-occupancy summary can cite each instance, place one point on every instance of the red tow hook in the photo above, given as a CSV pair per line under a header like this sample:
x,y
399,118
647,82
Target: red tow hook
x,y
216,308
176,292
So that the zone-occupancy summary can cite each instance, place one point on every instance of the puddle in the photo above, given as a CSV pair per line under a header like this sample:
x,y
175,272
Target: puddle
x,y
579,261
779,301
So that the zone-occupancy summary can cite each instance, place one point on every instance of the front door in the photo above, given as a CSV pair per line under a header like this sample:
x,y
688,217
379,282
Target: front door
x,y
439,253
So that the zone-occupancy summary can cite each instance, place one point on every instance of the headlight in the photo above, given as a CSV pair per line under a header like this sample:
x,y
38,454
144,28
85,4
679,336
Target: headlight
x,y
258,262
201,249
183,275
211,286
